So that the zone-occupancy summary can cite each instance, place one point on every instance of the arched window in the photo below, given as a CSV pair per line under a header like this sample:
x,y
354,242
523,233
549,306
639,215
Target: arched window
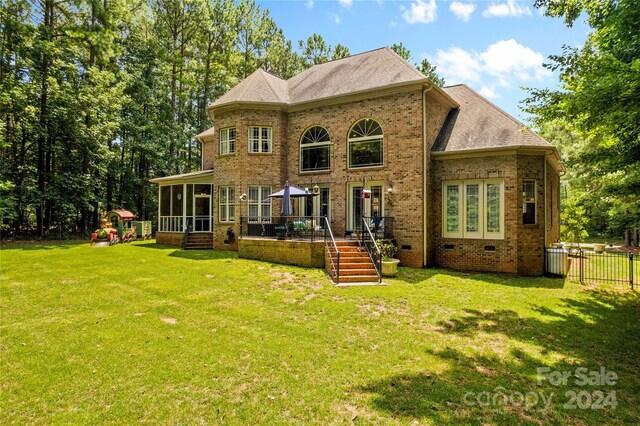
x,y
315,149
366,147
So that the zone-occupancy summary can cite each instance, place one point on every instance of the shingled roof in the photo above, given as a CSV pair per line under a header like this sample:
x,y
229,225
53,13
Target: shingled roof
x,y
377,69
259,87
478,123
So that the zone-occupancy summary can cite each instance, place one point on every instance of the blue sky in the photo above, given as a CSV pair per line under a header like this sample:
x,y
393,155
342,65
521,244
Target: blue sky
x,y
494,46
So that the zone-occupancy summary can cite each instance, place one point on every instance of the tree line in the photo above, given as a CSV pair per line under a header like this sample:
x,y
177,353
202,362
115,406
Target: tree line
x,y
98,96
593,117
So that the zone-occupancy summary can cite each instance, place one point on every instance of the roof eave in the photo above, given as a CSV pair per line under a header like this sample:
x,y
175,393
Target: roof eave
x,y
425,84
230,106
440,95
185,177
551,153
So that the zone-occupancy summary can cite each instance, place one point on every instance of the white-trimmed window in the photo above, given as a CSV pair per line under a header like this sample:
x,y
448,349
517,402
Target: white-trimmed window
x,y
259,204
260,139
473,209
366,144
227,141
529,202
315,150
226,203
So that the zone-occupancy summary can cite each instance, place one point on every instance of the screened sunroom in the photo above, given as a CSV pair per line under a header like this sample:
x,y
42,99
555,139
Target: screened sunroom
x,y
185,201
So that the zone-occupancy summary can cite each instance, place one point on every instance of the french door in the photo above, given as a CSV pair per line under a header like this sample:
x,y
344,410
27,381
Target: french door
x,y
318,205
372,204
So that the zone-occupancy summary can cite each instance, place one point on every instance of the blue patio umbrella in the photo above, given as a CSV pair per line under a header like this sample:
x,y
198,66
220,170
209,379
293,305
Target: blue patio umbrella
x,y
294,192
287,208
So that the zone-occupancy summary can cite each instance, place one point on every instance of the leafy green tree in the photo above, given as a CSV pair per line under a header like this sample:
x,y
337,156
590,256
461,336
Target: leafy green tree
x,y
339,52
255,30
424,67
402,51
281,59
314,50
429,70
573,221
599,97
97,97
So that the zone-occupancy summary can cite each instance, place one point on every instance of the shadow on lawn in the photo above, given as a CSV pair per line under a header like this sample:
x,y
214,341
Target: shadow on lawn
x,y
415,276
192,254
600,331
204,254
42,245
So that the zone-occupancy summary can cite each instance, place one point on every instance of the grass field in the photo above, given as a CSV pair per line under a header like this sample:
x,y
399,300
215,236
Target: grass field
x,y
144,333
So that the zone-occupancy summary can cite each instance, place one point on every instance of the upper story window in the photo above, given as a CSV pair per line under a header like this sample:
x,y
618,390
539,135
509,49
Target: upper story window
x,y
315,149
366,144
473,209
227,140
529,202
259,139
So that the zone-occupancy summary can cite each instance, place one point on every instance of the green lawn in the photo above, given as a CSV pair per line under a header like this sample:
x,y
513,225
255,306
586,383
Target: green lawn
x,y
144,333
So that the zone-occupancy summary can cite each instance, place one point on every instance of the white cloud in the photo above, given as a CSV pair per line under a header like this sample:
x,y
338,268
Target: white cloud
x,y
510,8
393,23
510,57
309,4
420,12
346,3
488,92
503,64
462,10
458,65
335,18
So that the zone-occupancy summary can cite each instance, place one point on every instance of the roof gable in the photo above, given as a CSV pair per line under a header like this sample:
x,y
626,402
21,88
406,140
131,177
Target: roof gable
x,y
478,123
259,87
358,73
377,69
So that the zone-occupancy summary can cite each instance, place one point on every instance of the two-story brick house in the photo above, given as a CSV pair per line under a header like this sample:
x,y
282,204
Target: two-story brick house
x,y
468,187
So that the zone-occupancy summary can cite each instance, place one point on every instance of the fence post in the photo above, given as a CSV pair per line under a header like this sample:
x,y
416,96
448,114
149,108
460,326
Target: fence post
x,y
631,269
580,253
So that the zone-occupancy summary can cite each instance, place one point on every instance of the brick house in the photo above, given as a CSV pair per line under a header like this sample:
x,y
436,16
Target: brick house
x,y
465,185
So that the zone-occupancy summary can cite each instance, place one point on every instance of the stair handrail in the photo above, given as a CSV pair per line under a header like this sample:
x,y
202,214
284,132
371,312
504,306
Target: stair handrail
x,y
336,265
376,254
187,229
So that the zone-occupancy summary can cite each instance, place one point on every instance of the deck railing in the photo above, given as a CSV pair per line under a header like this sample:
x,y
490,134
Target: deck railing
x,y
310,228
334,253
381,226
171,224
370,244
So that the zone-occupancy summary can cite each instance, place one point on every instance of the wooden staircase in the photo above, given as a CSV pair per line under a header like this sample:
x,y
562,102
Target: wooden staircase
x,y
199,241
355,264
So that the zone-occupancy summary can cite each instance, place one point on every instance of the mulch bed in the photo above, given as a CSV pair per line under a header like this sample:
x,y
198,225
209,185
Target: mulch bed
x,y
624,249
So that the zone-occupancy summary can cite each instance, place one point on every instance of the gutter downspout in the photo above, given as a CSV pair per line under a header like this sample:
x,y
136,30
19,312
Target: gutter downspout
x,y
546,213
425,159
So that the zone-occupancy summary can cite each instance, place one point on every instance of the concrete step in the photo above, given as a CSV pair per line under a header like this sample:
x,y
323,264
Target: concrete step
x,y
351,250
358,279
355,265
358,272
346,243
352,257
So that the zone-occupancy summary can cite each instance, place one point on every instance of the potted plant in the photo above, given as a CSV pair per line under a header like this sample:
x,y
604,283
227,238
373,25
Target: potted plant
x,y
389,264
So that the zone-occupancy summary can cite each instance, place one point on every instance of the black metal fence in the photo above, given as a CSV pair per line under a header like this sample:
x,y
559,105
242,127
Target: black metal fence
x,y
589,266
284,227
381,226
